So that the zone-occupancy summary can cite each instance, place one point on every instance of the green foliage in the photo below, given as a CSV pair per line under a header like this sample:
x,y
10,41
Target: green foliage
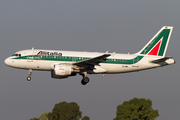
x,y
65,111
85,118
43,116
34,119
136,109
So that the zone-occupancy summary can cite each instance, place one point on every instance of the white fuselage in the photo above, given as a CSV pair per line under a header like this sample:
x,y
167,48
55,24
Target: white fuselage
x,y
116,63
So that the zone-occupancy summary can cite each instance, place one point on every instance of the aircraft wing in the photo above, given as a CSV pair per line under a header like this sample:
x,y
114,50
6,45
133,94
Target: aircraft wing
x,y
92,61
161,60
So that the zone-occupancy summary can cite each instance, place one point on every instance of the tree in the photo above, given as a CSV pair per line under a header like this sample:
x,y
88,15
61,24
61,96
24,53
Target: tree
x,y
85,118
136,109
65,111
34,119
43,116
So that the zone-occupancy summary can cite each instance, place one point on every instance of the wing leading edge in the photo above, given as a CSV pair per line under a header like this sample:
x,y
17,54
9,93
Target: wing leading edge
x,y
93,61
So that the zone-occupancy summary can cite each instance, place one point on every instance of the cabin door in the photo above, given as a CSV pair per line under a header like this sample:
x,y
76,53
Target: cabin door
x,y
135,62
30,57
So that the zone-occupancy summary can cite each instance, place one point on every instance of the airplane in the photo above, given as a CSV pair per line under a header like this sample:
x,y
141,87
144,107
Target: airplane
x,y
64,64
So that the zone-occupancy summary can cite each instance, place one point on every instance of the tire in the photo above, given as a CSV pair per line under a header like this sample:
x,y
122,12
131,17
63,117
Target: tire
x,y
28,78
83,83
85,80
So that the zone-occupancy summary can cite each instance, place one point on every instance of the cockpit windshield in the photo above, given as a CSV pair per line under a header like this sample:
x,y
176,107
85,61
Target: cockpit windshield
x,y
17,55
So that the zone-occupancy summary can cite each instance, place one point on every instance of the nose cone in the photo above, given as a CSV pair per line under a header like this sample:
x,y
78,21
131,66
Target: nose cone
x,y
6,61
11,63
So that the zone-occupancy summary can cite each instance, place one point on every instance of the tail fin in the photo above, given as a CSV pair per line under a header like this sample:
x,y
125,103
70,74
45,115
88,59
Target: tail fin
x,y
158,44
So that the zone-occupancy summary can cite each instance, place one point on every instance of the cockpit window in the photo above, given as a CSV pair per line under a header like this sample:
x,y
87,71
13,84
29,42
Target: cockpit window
x,y
17,55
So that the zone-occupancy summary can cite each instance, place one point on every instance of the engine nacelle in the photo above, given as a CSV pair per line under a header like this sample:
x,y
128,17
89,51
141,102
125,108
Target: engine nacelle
x,y
57,76
62,70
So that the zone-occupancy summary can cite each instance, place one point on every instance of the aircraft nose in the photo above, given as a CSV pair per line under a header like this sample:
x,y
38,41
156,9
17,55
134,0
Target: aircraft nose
x,y
6,61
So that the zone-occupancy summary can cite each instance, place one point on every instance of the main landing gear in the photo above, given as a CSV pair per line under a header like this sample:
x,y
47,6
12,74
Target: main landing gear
x,y
30,73
85,79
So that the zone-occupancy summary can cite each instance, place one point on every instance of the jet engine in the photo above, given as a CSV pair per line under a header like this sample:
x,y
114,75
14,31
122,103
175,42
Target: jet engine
x,y
62,71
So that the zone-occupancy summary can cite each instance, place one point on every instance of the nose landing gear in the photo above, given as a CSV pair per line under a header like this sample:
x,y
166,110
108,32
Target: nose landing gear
x,y
30,73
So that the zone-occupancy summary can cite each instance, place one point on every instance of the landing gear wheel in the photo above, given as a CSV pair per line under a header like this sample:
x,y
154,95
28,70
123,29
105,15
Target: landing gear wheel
x,y
30,73
85,80
83,83
28,78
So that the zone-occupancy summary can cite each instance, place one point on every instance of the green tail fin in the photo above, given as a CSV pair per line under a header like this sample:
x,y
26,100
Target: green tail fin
x,y
157,46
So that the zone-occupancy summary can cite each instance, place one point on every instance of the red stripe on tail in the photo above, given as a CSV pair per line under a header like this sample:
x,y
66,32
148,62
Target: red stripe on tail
x,y
155,50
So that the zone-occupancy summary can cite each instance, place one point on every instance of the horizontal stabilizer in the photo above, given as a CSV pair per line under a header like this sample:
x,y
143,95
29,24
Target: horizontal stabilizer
x,y
161,60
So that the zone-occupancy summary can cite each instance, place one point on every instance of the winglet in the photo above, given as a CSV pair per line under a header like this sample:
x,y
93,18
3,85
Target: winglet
x,y
112,54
